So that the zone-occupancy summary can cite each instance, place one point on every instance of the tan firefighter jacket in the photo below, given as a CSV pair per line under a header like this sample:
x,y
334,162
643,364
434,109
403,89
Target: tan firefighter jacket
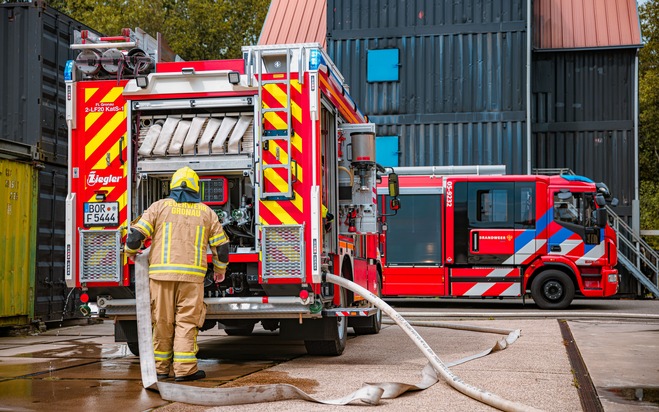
x,y
181,234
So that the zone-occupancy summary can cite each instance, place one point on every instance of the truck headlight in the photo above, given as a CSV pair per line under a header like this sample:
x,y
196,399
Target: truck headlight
x,y
613,278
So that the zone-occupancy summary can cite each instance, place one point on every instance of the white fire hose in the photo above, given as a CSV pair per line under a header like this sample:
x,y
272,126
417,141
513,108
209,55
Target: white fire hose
x,y
370,393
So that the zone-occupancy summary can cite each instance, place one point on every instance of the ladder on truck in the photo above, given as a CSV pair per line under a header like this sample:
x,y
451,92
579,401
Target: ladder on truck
x,y
281,59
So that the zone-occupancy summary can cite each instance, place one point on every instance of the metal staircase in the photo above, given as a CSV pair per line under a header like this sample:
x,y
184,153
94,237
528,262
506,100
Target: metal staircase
x,y
636,255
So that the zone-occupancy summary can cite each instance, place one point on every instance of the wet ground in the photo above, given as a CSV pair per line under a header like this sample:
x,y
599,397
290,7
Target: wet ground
x,y
81,368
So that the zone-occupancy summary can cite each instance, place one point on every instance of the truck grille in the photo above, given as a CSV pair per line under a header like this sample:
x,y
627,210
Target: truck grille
x,y
99,256
283,252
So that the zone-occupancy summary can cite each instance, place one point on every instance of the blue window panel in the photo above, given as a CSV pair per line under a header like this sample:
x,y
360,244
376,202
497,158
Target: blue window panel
x,y
386,150
382,65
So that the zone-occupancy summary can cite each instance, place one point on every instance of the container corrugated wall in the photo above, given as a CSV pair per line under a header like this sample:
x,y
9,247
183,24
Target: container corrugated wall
x,y
51,291
34,47
18,195
583,111
460,98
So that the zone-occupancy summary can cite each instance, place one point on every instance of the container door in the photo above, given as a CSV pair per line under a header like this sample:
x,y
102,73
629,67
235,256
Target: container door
x,y
18,194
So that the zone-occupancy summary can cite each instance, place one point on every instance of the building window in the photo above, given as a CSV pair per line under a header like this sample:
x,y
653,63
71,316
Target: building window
x,y
382,65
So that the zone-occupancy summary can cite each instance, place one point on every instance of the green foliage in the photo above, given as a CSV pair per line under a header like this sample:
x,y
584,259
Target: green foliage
x,y
649,118
194,29
649,194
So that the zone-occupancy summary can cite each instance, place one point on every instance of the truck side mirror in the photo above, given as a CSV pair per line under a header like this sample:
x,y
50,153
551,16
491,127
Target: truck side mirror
x,y
600,200
601,217
394,189
394,204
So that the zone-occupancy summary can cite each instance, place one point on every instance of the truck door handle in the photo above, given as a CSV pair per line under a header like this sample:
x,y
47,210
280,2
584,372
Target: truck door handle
x,y
474,241
121,150
555,248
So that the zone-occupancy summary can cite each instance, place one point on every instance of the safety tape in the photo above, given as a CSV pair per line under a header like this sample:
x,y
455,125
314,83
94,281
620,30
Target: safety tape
x,y
370,393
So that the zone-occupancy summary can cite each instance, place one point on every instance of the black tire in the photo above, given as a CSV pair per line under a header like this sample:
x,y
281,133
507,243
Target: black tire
x,y
552,289
241,331
374,324
335,346
134,348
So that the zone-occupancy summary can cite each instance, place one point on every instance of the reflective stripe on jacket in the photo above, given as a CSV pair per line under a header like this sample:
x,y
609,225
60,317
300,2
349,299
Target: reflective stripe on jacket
x,y
181,234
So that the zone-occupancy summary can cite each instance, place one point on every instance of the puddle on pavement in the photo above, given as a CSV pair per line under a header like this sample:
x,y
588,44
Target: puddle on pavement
x,y
649,395
273,377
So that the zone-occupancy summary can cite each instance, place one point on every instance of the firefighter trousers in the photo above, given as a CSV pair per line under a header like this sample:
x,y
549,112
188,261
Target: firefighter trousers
x,y
178,309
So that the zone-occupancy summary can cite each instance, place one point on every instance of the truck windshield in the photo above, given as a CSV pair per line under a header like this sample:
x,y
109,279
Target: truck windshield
x,y
578,209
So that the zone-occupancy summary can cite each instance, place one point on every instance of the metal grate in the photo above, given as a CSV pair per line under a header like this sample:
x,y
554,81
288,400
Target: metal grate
x,y
283,252
99,256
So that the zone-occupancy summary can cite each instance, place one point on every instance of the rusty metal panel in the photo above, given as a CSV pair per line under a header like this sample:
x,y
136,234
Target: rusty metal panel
x,y
34,47
295,21
18,194
461,95
579,24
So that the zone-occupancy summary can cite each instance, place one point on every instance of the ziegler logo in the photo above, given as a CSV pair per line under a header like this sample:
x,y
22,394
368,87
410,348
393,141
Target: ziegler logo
x,y
93,179
449,194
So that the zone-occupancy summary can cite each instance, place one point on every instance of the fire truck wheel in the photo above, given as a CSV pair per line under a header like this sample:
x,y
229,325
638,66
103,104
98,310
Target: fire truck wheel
x,y
552,289
373,323
338,327
134,348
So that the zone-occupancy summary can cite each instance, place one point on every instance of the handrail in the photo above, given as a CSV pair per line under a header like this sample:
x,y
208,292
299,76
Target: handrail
x,y
636,250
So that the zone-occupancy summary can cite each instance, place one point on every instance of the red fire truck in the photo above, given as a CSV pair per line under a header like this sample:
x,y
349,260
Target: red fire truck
x,y
500,236
269,135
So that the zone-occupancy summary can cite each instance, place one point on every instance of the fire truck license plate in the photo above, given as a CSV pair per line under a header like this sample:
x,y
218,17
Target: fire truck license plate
x,y
101,214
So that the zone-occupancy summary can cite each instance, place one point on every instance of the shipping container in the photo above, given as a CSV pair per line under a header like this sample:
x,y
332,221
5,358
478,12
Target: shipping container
x,y
53,300
35,44
18,201
34,47
583,117
447,80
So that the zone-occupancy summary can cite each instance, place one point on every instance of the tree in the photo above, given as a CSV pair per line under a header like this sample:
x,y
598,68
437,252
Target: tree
x,y
649,118
194,29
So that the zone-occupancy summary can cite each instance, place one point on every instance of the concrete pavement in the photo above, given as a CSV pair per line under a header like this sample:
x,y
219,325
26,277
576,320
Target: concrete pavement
x,y
81,368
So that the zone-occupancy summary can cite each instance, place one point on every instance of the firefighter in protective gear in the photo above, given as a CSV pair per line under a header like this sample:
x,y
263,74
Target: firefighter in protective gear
x,y
181,228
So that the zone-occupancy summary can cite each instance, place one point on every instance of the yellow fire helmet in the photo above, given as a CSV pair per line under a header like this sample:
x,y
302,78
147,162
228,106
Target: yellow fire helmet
x,y
185,177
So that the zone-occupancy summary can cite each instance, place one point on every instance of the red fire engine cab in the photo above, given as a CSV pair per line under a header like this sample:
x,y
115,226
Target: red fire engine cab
x,y
500,236
269,135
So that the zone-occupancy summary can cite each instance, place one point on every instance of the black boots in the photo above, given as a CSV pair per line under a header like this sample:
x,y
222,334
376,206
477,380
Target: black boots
x,y
197,375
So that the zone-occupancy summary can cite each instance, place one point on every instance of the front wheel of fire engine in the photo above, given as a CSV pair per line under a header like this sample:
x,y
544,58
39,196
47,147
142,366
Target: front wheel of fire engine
x,y
337,329
552,289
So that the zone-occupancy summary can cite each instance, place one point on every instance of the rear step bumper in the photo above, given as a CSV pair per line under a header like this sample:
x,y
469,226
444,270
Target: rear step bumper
x,y
245,308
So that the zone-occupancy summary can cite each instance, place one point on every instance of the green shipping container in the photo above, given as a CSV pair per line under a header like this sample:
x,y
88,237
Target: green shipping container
x,y
18,201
